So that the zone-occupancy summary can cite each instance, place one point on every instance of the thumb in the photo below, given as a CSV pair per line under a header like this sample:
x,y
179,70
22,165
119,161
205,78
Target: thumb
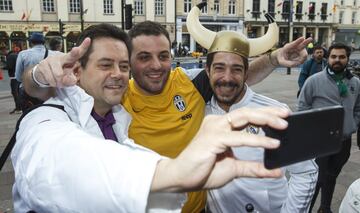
x,y
76,53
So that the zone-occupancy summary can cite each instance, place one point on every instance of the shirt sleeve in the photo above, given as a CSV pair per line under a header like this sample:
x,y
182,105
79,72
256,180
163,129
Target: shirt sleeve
x,y
60,168
305,97
302,182
19,68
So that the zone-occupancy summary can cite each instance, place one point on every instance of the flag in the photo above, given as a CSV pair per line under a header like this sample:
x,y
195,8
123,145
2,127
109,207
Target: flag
x,y
295,4
334,9
23,16
279,4
28,15
311,5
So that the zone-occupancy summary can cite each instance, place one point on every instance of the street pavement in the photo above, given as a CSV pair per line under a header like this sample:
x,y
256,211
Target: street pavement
x,y
278,85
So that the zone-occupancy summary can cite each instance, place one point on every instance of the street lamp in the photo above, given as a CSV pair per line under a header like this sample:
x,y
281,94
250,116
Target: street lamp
x,y
81,15
289,26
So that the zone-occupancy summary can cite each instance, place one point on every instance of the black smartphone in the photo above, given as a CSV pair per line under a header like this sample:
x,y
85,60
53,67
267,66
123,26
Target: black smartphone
x,y
310,134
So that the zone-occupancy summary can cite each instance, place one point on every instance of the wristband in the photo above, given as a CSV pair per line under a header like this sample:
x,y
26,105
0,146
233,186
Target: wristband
x,y
42,85
271,62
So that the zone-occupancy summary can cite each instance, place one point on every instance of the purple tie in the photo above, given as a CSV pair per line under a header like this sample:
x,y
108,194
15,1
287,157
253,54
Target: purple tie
x,y
105,124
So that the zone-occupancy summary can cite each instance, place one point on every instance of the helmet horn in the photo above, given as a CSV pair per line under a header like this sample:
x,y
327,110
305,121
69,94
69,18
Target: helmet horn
x,y
201,35
267,41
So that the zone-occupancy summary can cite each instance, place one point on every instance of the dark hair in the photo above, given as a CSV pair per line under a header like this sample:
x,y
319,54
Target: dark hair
x,y
340,46
149,28
102,31
318,48
210,59
55,43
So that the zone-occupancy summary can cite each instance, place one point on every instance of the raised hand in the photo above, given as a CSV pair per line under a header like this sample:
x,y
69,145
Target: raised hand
x,y
293,53
57,70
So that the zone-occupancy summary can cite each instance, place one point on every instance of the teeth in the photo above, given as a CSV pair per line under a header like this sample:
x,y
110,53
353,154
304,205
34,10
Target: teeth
x,y
154,75
113,87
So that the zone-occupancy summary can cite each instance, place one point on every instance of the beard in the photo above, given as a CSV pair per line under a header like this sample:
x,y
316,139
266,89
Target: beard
x,y
337,67
232,97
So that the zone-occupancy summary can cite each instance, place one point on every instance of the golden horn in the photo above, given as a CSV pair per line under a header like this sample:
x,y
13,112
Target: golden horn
x,y
201,35
267,41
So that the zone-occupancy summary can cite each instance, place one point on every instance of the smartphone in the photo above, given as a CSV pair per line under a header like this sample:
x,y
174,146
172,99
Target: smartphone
x,y
310,134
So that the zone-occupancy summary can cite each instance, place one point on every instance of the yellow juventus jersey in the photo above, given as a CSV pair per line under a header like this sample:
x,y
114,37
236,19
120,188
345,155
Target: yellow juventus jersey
x,y
167,122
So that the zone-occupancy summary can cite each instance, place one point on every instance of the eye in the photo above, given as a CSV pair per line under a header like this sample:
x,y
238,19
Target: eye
x,y
124,67
164,57
144,57
105,66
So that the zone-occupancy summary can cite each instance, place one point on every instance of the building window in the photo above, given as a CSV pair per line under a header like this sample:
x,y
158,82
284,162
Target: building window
x,y
298,10
159,7
312,10
355,3
353,18
204,9
256,9
217,6
323,10
342,2
139,7
271,8
285,9
232,7
74,6
341,16
48,6
108,7
6,5
187,6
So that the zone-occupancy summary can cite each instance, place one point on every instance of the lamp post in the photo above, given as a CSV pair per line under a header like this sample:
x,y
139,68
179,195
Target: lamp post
x,y
290,22
81,15
123,14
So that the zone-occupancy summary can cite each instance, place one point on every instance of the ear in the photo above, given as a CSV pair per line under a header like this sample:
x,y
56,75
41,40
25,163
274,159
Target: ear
x,y
207,70
77,70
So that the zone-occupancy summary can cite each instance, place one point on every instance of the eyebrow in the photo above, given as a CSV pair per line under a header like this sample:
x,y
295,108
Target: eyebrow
x,y
145,52
233,65
111,60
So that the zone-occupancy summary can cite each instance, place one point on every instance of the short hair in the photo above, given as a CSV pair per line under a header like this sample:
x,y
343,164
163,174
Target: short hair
x,y
210,59
340,46
102,31
149,28
54,43
318,48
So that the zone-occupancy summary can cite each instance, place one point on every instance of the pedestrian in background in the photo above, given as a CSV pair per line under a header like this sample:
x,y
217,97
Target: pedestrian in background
x,y
28,58
14,84
335,85
313,65
56,44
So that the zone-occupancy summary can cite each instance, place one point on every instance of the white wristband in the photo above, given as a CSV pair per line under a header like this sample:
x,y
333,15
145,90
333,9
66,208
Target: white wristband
x,y
35,80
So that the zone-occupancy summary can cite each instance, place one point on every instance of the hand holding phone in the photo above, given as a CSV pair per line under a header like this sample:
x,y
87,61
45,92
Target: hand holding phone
x,y
310,134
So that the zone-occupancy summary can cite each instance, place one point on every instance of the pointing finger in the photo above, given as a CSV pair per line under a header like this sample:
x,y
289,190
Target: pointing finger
x,y
76,53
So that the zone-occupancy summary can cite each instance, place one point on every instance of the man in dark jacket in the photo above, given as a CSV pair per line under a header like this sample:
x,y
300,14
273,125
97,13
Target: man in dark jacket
x,y
14,84
315,64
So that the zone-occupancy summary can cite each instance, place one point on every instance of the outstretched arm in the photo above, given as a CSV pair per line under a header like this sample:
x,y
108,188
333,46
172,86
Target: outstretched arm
x,y
291,55
207,162
54,71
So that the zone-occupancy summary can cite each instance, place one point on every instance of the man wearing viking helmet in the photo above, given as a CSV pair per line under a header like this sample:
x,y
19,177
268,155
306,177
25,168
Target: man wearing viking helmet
x,y
157,120
227,69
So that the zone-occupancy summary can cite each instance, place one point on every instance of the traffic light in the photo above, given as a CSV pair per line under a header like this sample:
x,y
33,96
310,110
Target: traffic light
x,y
61,27
128,16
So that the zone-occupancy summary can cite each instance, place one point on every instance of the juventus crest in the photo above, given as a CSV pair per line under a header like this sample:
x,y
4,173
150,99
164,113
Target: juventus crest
x,y
179,103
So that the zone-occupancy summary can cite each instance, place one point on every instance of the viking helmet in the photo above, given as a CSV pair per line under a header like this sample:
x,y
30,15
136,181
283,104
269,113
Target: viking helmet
x,y
230,41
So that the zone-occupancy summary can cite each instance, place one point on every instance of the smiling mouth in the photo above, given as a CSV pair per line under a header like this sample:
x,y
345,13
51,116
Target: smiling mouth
x,y
113,86
154,75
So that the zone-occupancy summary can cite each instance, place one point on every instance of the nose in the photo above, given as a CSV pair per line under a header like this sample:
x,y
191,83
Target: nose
x,y
116,73
227,75
155,64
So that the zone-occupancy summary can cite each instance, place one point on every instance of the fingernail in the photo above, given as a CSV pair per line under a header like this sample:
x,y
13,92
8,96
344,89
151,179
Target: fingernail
x,y
283,122
275,142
